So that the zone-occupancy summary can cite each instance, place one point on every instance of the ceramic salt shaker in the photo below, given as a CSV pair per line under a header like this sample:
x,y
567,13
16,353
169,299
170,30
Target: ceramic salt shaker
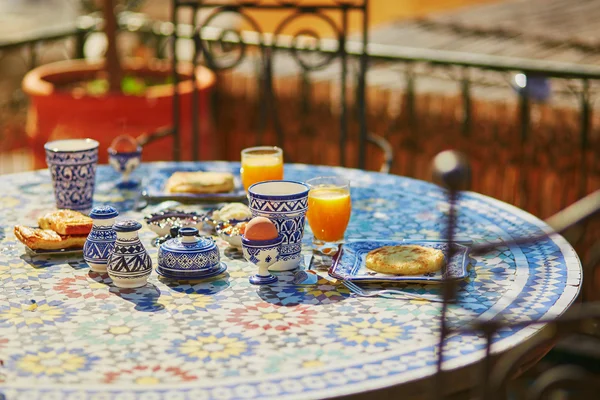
x,y
129,266
100,243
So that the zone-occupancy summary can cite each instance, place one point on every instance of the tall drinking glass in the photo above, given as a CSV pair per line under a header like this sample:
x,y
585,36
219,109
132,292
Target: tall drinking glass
x,y
72,165
329,209
264,163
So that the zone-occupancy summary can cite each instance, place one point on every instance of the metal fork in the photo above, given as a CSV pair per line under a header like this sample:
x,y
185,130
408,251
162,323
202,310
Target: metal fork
x,y
389,293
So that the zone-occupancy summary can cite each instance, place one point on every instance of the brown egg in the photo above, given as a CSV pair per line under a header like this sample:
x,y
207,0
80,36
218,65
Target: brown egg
x,y
260,228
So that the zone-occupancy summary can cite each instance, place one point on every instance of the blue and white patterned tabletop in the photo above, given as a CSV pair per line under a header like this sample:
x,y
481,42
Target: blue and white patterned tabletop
x,y
68,333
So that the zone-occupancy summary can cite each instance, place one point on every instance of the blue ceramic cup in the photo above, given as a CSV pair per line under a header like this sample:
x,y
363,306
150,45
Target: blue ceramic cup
x,y
72,164
125,163
285,204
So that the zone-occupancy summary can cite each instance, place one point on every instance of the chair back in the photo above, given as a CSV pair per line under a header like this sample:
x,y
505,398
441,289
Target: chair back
x,y
283,53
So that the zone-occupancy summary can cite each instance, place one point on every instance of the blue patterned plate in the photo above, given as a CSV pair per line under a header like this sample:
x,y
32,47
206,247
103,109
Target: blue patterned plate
x,y
349,263
193,276
155,188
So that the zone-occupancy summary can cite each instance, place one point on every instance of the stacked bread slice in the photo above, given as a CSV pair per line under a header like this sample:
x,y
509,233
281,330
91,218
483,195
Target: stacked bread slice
x,y
61,229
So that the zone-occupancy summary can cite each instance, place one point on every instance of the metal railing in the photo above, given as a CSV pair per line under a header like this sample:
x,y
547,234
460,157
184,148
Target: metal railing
x,y
360,55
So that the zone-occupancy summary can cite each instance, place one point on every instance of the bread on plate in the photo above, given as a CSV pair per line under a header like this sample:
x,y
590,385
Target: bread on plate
x,y
405,260
46,239
66,222
200,182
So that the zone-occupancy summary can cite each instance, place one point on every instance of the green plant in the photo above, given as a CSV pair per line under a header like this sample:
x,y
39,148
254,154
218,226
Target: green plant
x,y
112,64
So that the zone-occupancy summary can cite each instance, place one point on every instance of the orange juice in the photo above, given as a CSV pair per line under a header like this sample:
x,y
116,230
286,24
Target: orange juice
x,y
263,163
329,209
261,168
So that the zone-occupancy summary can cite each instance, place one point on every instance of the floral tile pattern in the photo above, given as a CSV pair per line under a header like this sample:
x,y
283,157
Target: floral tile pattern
x,y
67,332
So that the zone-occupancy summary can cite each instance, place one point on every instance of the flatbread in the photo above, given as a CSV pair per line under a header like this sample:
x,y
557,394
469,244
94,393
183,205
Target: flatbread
x,y
200,182
66,222
46,239
405,260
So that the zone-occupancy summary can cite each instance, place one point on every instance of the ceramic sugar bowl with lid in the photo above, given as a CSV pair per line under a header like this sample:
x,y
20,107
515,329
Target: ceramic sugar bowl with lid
x,y
100,243
129,266
189,257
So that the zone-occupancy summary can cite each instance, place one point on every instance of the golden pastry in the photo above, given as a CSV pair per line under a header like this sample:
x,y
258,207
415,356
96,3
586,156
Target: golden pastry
x,y
66,222
46,239
405,260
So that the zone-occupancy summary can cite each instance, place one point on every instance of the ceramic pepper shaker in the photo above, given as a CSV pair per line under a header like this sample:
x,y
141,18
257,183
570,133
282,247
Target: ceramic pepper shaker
x,y
129,266
100,243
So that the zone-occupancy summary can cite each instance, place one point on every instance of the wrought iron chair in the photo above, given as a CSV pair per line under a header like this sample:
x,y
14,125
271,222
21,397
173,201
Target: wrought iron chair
x,y
234,43
452,170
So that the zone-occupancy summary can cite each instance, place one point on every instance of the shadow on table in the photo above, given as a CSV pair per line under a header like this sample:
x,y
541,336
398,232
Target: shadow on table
x,y
45,261
286,293
145,298
207,287
234,254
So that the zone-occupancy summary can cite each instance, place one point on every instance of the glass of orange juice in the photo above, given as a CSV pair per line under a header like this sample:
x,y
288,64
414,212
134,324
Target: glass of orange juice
x,y
264,163
329,209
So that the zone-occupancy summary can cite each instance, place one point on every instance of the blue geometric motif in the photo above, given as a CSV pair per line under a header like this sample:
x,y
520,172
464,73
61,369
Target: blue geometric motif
x,y
379,342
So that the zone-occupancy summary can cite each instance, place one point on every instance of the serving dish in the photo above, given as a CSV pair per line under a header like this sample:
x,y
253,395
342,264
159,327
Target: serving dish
x,y
161,222
193,276
189,257
60,252
155,188
57,252
233,238
349,262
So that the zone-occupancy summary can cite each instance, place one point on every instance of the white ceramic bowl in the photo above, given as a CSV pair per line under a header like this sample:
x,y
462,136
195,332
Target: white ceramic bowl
x,y
235,239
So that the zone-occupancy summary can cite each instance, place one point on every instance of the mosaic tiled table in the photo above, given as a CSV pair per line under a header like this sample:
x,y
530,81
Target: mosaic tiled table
x,y
67,333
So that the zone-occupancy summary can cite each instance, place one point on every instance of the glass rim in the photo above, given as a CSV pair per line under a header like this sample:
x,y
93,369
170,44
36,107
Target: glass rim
x,y
248,150
77,145
341,181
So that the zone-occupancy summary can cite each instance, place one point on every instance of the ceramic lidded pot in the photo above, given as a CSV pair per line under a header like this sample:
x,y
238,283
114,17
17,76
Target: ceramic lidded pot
x,y
100,243
129,266
189,257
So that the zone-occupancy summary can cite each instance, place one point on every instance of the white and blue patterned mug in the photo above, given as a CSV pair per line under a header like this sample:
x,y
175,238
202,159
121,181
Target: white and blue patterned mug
x,y
100,243
72,165
285,204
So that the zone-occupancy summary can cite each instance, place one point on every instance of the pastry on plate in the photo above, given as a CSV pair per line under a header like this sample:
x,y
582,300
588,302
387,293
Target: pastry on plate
x,y
231,211
405,260
66,222
46,239
200,182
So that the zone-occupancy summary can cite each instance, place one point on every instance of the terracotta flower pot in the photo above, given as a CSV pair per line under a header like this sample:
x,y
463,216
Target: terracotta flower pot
x,y
58,114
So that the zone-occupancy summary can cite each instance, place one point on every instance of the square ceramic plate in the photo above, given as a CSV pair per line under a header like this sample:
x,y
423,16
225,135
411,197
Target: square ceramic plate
x,y
61,252
349,263
155,188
